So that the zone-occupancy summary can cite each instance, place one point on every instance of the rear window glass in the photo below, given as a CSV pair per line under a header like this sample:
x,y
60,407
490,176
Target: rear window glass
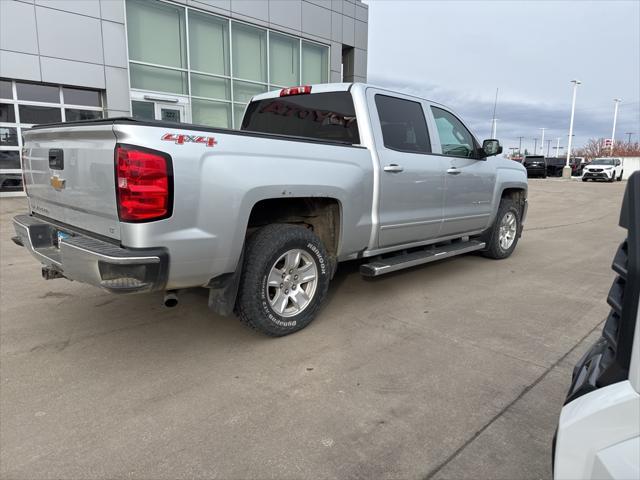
x,y
326,116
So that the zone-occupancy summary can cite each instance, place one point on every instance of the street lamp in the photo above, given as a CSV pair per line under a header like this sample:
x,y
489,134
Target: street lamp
x,y
542,141
616,102
557,146
566,171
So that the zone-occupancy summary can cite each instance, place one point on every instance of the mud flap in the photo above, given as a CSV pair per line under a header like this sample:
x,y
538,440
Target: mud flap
x,y
223,290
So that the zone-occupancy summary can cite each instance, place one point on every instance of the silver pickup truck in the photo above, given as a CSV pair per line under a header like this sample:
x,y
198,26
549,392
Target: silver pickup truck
x,y
261,216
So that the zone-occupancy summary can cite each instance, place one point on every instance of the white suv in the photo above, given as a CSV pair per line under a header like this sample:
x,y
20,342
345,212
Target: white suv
x,y
603,168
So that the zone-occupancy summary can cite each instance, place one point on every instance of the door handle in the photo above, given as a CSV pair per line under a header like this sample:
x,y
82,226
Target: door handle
x,y
454,171
393,168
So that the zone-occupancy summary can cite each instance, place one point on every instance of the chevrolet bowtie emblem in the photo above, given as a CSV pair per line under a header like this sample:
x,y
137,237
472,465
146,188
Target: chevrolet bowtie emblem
x,y
57,182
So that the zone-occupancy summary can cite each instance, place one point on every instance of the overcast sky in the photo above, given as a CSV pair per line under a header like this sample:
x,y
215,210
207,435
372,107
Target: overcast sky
x,y
458,52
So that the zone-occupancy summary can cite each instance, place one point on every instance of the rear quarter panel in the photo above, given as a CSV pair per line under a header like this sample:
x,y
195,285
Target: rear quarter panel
x,y
215,189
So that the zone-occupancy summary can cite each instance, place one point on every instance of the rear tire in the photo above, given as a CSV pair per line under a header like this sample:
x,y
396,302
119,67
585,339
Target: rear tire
x,y
499,244
284,280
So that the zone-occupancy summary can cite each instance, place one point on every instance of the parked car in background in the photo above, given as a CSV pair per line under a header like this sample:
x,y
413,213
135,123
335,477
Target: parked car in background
x,y
261,216
536,165
598,435
555,165
609,169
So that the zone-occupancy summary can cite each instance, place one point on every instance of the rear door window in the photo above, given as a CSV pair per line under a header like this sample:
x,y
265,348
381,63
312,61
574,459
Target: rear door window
x,y
328,116
404,127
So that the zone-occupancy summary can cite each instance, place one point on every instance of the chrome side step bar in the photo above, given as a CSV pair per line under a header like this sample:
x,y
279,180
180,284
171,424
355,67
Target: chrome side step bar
x,y
406,260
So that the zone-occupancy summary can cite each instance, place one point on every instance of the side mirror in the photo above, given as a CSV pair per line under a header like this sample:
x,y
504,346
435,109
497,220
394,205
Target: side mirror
x,y
491,147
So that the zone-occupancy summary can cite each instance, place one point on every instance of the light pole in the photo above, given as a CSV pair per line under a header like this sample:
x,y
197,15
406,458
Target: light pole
x,y
535,146
520,145
616,102
542,141
566,171
548,147
629,136
557,146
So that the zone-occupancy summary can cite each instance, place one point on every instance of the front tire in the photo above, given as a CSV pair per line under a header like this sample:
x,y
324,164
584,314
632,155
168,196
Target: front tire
x,y
620,177
502,237
284,280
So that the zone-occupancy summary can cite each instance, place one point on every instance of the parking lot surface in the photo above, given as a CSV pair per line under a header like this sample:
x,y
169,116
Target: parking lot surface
x,y
456,369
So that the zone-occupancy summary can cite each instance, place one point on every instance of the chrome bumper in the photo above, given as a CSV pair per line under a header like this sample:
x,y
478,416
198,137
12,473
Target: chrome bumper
x,y
91,260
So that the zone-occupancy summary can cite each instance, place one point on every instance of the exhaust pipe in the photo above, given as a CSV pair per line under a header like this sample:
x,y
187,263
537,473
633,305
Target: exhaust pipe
x,y
170,299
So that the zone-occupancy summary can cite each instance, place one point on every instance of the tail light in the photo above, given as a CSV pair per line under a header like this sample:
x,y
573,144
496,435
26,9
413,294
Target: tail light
x,y
302,90
144,184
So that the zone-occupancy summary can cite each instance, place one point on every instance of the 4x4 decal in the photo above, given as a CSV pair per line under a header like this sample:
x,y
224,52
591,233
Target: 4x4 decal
x,y
181,139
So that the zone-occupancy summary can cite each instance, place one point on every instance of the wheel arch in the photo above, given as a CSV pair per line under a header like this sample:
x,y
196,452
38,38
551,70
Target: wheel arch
x,y
322,215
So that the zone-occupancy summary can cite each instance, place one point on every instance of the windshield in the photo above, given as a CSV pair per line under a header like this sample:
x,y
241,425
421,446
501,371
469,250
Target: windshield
x,y
603,161
328,116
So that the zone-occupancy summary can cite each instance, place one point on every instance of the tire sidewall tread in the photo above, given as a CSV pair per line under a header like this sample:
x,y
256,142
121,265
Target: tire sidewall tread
x,y
493,249
263,249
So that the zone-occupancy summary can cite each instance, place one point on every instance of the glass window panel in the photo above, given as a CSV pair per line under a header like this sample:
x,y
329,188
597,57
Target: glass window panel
x,y
9,159
249,52
328,116
5,89
145,110
212,87
238,113
8,136
156,33
208,43
7,113
10,182
214,114
75,114
315,63
79,96
284,59
404,127
170,115
33,114
38,93
243,91
158,79
455,139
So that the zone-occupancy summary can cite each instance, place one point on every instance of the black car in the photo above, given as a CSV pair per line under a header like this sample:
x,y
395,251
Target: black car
x,y
555,165
536,166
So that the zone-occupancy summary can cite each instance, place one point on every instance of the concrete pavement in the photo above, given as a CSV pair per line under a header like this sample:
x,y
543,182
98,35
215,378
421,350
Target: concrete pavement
x,y
456,369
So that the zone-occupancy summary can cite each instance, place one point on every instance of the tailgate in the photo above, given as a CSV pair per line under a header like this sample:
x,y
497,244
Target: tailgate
x,y
69,176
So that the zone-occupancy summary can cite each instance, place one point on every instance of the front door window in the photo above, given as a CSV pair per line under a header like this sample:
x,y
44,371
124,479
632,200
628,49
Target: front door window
x,y
455,139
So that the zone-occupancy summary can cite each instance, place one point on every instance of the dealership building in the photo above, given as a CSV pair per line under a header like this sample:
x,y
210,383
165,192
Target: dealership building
x,y
196,61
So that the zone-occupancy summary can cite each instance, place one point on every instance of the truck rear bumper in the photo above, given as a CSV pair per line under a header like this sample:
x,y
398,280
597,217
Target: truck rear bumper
x,y
69,254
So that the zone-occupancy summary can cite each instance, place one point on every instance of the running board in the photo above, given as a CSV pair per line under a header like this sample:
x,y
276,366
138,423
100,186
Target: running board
x,y
407,260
